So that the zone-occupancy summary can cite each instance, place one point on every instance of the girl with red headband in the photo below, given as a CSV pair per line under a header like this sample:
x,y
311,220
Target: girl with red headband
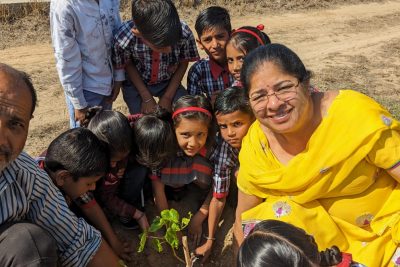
x,y
194,128
242,41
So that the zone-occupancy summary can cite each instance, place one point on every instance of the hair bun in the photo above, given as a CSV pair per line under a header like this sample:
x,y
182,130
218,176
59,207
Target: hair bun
x,y
260,27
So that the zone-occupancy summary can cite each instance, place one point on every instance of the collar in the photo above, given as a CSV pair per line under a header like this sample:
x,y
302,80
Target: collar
x,y
216,69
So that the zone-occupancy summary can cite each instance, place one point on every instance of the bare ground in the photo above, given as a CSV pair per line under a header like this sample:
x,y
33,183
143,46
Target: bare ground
x,y
349,46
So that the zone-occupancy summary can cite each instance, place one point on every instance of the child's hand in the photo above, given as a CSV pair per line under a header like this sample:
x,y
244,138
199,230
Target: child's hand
x,y
141,218
195,228
166,103
204,250
115,92
123,250
148,105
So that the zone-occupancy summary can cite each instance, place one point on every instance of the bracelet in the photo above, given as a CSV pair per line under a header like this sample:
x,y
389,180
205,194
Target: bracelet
x,y
148,100
209,238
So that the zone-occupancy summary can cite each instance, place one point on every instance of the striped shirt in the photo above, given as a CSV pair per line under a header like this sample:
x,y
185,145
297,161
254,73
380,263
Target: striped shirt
x,y
153,67
27,193
208,77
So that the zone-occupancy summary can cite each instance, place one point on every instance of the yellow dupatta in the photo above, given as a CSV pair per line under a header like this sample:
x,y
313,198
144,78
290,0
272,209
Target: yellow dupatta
x,y
332,178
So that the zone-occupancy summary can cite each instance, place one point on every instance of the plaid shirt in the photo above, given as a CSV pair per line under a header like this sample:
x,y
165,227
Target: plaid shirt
x,y
225,159
153,67
208,77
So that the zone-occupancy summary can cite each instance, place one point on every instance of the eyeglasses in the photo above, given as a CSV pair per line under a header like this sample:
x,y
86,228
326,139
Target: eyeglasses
x,y
283,93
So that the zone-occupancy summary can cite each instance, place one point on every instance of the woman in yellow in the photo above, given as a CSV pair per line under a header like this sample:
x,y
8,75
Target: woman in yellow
x,y
328,162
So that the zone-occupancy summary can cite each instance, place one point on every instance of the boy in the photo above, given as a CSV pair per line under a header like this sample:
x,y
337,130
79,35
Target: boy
x,y
82,34
75,161
211,75
234,117
154,48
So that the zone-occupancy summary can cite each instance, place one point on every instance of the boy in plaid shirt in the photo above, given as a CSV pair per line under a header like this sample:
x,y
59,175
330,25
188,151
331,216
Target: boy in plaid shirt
x,y
154,48
234,117
211,75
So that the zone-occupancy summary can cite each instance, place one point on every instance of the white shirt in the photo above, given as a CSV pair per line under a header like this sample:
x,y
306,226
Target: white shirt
x,y
82,34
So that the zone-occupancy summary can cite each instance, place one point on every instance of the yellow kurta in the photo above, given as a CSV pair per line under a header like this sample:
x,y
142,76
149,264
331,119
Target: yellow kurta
x,y
337,189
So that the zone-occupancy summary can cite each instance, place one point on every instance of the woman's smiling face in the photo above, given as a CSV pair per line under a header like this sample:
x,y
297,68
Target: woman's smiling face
x,y
285,113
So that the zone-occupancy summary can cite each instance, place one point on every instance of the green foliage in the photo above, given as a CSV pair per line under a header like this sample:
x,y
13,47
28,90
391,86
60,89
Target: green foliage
x,y
171,223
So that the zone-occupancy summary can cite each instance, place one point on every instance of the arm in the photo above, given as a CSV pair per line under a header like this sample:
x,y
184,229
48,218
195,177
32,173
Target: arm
x,y
148,102
245,202
68,58
196,223
97,217
395,173
176,79
159,195
216,207
104,257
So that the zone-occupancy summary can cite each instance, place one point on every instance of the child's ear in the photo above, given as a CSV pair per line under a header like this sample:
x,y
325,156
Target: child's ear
x,y
136,32
61,176
199,44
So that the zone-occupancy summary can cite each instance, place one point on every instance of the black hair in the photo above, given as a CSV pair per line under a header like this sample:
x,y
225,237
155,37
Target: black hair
x,y
157,21
247,42
25,78
232,99
155,138
276,243
278,54
79,152
196,101
213,17
112,127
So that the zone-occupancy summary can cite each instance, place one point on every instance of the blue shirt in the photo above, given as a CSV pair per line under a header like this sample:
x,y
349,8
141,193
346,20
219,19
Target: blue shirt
x,y
82,34
27,193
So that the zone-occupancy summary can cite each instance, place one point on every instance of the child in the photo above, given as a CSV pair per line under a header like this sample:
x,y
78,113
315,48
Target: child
x,y
193,125
155,48
242,41
234,117
210,75
276,243
75,161
82,34
113,128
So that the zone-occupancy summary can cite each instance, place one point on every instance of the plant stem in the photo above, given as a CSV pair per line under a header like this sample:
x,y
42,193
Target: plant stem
x,y
177,257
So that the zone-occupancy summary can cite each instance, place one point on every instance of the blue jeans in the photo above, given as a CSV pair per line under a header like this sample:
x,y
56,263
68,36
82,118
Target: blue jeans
x,y
92,99
133,99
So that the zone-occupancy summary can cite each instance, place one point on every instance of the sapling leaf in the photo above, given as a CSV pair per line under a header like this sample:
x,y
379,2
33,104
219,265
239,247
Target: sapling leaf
x,y
185,221
172,238
157,245
157,224
175,227
142,243
170,215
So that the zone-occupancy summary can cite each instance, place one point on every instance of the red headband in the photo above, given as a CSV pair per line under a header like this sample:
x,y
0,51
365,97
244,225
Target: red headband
x,y
259,27
181,110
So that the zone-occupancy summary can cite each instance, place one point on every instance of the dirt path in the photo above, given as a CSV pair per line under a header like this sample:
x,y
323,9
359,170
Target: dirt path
x,y
354,46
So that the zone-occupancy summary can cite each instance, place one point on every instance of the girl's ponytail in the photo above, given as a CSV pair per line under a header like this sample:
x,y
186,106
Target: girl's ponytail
x,y
331,256
90,113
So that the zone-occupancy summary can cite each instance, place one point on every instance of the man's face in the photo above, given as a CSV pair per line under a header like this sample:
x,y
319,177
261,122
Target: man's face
x,y
15,115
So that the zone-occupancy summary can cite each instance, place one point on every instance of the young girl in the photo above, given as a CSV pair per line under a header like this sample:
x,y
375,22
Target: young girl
x,y
116,194
242,41
277,243
193,124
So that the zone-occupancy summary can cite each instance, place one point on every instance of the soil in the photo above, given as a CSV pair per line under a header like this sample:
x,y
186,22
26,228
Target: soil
x,y
346,45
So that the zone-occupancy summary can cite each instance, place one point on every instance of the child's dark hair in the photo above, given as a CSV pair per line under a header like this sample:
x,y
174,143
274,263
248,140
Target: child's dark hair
x,y
248,38
276,243
195,101
213,17
232,99
79,152
111,127
157,21
155,138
